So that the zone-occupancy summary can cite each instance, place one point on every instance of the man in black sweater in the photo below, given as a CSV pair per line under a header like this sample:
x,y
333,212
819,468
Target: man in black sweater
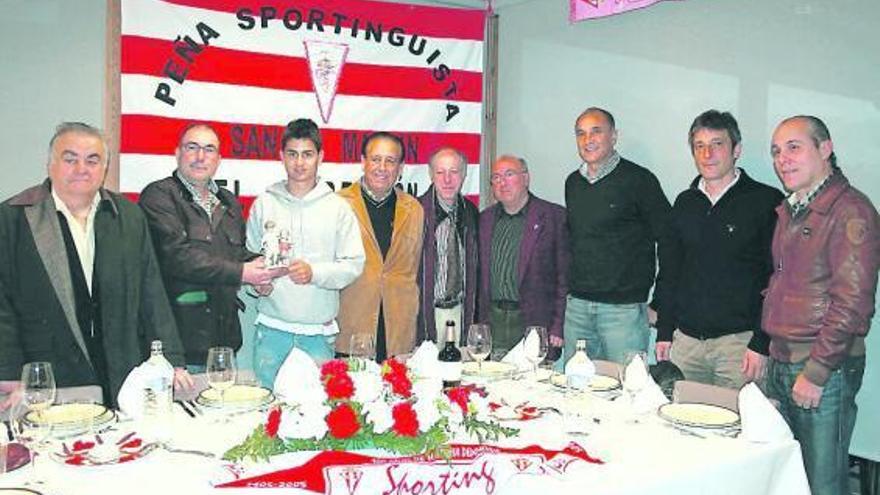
x,y
617,216
717,264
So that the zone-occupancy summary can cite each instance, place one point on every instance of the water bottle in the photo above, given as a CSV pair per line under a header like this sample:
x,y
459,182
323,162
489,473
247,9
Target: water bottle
x,y
579,371
158,391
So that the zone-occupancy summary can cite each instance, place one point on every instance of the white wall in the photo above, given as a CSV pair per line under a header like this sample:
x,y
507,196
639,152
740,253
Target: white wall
x,y
52,59
657,68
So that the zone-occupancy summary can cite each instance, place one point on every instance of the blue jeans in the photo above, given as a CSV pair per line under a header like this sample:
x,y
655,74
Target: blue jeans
x,y
609,329
825,432
271,347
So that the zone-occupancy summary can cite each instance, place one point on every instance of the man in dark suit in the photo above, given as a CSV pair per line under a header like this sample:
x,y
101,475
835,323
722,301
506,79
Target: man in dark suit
x,y
79,283
448,277
524,258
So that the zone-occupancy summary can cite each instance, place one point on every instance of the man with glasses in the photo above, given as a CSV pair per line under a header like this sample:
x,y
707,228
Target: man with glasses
x,y
448,278
79,283
618,218
524,259
198,232
384,301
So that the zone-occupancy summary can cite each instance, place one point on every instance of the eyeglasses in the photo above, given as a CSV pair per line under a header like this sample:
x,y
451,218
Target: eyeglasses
x,y
506,175
194,148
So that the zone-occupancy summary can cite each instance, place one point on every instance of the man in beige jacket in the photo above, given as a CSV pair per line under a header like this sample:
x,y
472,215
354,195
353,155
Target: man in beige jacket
x,y
383,301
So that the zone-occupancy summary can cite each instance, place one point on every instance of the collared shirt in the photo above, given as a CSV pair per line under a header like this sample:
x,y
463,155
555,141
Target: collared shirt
x,y
448,223
603,171
83,236
506,239
701,185
797,207
377,201
209,201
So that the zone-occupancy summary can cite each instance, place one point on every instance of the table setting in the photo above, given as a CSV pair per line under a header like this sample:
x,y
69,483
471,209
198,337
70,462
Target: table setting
x,y
516,418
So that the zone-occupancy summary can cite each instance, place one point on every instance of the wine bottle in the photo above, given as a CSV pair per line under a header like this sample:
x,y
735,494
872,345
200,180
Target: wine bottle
x,y
450,359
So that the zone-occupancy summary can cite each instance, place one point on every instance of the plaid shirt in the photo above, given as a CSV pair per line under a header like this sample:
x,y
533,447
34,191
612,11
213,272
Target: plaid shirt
x,y
603,171
798,207
210,201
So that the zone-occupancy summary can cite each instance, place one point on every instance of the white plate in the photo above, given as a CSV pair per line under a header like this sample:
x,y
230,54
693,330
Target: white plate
x,y
72,418
599,383
698,414
492,369
236,396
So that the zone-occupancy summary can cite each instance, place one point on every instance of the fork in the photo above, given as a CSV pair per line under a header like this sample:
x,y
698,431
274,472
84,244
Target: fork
x,y
196,409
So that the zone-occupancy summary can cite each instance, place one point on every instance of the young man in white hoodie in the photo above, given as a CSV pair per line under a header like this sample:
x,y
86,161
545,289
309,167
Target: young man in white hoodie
x,y
327,255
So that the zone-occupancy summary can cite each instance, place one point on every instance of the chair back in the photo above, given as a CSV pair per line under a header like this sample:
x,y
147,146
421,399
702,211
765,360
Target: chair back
x,y
607,368
690,391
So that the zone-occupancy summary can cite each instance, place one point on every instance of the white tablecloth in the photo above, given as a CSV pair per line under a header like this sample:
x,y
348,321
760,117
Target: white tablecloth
x,y
648,457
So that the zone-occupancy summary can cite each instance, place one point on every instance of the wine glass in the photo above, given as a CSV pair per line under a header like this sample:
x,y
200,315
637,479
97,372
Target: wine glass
x,y
363,346
38,393
221,371
634,375
479,343
535,346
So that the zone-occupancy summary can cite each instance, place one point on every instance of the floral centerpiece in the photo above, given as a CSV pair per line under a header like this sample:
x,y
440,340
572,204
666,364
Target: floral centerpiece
x,y
354,404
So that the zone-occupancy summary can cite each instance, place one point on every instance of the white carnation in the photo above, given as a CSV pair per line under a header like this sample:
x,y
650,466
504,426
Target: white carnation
x,y
427,413
378,412
305,421
367,386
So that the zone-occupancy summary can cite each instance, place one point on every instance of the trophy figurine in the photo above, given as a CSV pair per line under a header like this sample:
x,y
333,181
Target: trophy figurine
x,y
277,249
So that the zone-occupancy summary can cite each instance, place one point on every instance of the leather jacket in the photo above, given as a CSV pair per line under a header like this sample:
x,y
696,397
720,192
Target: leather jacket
x,y
201,262
820,298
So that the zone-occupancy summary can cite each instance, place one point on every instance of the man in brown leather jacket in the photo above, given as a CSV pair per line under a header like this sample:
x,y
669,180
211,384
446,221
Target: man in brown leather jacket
x,y
819,303
199,235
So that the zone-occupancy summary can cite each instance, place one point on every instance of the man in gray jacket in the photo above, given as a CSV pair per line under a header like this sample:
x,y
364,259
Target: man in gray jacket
x,y
79,283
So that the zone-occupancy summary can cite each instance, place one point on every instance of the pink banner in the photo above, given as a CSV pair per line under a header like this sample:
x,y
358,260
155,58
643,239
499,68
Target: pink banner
x,y
589,9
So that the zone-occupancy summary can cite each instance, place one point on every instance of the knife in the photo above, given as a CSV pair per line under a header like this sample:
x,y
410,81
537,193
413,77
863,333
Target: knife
x,y
185,409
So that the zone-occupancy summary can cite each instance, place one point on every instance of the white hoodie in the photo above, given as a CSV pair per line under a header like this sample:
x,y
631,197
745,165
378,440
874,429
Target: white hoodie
x,y
324,233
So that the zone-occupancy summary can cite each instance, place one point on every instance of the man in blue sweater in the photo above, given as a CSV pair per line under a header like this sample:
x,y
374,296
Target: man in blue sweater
x,y
718,263
617,216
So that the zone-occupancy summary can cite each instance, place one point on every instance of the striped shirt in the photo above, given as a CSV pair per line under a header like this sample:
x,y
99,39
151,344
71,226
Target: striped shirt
x,y
796,206
207,202
504,265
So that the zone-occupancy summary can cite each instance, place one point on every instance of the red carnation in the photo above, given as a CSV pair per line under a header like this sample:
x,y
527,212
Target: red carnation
x,y
395,367
460,395
400,384
339,386
334,367
273,422
406,424
342,421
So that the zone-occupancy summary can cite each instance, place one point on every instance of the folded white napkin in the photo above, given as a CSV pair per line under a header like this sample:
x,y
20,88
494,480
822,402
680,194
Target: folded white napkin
x,y
424,362
528,346
131,395
649,396
761,422
299,379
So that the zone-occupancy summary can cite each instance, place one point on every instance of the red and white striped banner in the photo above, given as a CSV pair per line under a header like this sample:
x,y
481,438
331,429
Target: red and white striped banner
x,y
247,67
471,469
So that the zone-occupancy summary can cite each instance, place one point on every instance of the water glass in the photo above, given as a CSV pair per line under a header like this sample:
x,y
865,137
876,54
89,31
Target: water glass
x,y
221,371
363,346
479,343
535,345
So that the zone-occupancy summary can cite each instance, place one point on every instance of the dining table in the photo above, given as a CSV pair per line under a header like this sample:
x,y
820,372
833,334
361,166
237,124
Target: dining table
x,y
639,453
